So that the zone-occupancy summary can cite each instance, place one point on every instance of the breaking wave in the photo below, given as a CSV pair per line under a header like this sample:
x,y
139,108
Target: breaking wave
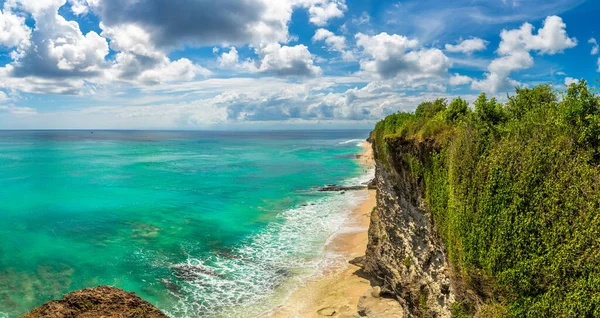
x,y
243,283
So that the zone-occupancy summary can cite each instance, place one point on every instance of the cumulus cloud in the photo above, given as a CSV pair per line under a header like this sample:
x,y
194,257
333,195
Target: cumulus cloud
x,y
80,7
335,42
552,38
13,30
457,80
283,60
142,33
594,44
514,50
139,60
570,80
396,56
57,47
467,46
229,59
56,57
321,12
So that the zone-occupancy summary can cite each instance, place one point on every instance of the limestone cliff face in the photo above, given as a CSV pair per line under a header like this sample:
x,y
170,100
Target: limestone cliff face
x,y
404,254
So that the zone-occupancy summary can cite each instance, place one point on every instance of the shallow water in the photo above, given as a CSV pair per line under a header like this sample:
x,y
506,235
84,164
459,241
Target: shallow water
x,y
198,223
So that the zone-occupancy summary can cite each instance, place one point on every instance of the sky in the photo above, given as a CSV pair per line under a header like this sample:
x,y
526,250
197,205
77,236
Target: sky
x,y
270,64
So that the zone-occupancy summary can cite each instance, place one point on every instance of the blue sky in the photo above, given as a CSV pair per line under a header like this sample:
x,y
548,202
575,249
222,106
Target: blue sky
x,y
262,64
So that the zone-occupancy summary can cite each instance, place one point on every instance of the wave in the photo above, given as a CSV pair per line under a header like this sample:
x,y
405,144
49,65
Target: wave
x,y
360,141
243,283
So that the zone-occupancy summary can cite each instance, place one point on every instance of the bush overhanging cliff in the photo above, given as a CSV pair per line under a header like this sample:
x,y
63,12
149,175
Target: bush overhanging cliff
x,y
514,192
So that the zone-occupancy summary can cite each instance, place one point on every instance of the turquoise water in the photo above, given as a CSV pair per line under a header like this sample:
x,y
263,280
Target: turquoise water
x,y
200,224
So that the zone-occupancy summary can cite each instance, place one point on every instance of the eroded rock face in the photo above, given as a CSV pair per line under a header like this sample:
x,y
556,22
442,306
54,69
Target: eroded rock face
x,y
102,301
404,252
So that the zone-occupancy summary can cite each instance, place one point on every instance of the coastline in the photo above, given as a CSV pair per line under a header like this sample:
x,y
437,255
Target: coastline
x,y
337,291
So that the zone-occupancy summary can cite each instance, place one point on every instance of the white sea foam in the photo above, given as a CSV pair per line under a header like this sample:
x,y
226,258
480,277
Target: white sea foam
x,y
289,249
366,177
360,141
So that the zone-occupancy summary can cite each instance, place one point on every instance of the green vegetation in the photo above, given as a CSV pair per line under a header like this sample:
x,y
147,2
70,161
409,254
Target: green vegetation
x,y
514,189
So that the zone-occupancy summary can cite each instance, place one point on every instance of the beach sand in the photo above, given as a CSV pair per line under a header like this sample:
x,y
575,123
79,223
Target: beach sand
x,y
336,292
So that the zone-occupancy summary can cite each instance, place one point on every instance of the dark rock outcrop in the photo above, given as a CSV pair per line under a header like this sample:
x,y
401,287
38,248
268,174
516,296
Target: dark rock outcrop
x,y
336,188
102,301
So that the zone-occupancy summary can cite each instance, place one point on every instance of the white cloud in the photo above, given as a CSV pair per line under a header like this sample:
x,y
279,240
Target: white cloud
x,y
131,38
58,58
570,80
467,46
57,47
139,61
84,53
335,42
552,38
35,7
173,71
229,60
598,63
457,80
13,30
283,60
594,44
321,12
514,51
396,56
81,7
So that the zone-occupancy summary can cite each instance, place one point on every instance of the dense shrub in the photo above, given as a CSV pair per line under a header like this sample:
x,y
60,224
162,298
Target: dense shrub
x,y
514,190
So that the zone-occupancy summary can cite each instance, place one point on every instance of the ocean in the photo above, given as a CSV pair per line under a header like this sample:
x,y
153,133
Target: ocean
x,y
201,224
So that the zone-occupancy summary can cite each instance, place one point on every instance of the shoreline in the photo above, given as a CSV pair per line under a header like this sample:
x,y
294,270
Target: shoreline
x,y
335,293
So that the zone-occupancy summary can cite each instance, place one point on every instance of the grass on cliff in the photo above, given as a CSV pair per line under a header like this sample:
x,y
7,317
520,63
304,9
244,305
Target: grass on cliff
x,y
514,189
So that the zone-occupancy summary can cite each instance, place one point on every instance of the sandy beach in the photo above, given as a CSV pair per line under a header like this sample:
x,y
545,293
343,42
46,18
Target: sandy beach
x,y
337,291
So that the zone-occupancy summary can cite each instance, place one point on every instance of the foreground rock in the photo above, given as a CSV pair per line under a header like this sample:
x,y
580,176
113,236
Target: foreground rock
x,y
102,301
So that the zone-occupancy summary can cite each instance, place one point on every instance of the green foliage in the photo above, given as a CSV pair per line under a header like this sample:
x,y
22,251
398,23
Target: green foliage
x,y
457,110
488,111
514,190
430,109
526,98
582,113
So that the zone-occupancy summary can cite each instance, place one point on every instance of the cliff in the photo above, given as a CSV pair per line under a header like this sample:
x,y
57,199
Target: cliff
x,y
404,252
491,210
102,301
